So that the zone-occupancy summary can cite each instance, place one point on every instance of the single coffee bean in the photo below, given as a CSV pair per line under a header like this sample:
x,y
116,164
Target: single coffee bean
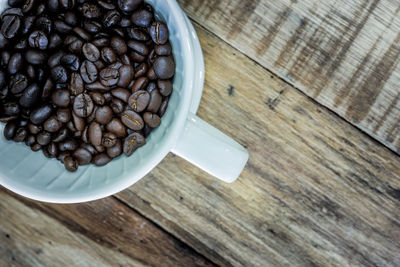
x,y
109,76
18,83
164,67
61,98
30,96
139,47
76,47
117,127
133,142
152,120
43,138
79,122
165,87
83,105
103,114
52,125
139,100
71,126
34,129
163,107
108,55
115,150
141,70
10,26
97,86
71,18
137,34
95,134
159,33
92,26
163,50
76,85
20,135
28,5
15,64
118,45
39,115
83,156
97,98
91,52
5,58
54,41
30,140
11,109
116,65
10,130
101,159
63,115
71,164
109,140
35,57
70,39
155,101
125,60
69,144
59,74
128,6
36,147
55,59
121,93
71,62
82,33
132,120
91,11
61,135
139,84
126,75
53,150
90,148
101,42
62,27
38,39
151,74
142,18
117,106
112,18
88,71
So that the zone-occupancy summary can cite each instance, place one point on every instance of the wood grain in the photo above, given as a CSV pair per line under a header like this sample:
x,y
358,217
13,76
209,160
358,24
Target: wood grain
x,y
344,54
101,233
316,191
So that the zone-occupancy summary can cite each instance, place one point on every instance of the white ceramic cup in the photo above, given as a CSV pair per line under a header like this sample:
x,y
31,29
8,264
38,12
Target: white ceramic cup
x,y
181,132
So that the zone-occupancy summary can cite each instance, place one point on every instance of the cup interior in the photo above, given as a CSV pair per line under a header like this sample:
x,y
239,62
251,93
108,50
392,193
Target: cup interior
x,y
33,175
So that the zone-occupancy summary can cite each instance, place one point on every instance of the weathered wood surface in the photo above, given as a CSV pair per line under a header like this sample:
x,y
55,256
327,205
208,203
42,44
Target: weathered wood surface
x,y
316,191
101,233
344,54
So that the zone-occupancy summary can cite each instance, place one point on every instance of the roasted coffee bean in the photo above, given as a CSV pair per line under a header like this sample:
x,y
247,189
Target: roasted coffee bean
x,y
64,115
88,71
118,45
139,100
55,59
141,70
101,159
97,98
43,138
15,63
95,134
54,41
52,149
71,18
126,75
67,4
132,120
5,58
91,52
117,127
76,46
164,67
109,140
155,101
139,84
71,164
70,39
115,150
44,24
159,33
116,65
10,26
71,126
76,85
41,114
121,93
59,74
52,125
70,144
163,107
163,50
97,86
151,86
106,5
20,135
21,45
34,129
137,34
125,22
83,156
103,114
91,11
7,118
117,106
125,60
79,122
10,130
40,9
83,105
62,27
35,57
142,18
100,149
30,140
90,148
82,33
111,18
27,24
40,75
15,3
165,87
61,98
152,120
133,142
38,39
92,26
151,74
18,83
36,147
108,55
61,135
85,135
139,47
101,42
62,156
71,62
28,5
3,41
107,97
30,96
109,76
128,6
11,109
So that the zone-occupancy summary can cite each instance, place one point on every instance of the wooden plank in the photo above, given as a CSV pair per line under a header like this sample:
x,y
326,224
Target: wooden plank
x,y
101,233
316,191
344,54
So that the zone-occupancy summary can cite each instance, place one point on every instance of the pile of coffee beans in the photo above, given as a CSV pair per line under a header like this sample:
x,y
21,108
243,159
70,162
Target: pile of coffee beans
x,y
83,80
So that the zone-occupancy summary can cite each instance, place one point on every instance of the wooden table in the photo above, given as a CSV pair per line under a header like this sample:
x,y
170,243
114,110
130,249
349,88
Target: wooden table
x,y
312,89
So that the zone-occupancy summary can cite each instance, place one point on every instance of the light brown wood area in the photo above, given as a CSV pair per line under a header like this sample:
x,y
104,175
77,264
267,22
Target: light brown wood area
x,y
316,191
344,54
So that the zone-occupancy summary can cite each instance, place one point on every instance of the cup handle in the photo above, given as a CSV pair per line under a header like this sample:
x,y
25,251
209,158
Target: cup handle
x,y
209,149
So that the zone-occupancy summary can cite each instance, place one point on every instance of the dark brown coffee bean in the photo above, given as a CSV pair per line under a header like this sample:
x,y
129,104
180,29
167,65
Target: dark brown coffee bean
x,y
139,84
38,39
83,156
90,148
108,55
35,57
103,114
41,114
61,135
139,47
83,105
109,140
128,6
142,18
92,116
71,126
121,93
101,159
63,115
163,50
97,86
55,59
76,47
71,164
101,42
30,96
62,27
118,45
70,39
133,142
79,122
115,150
151,86
10,130
43,138
141,70
95,134
71,62
165,87
82,33
111,18
163,107
132,120
88,72
91,11
44,24
107,97
5,58
11,109
125,22
117,127
100,149
36,147
92,26
62,156
52,125
28,5
126,74
76,85
151,74
164,67
52,149
59,74
109,76
159,33
20,135
41,75
69,144
152,120
18,83
15,63
85,135
116,65
30,140
155,101
137,34
61,98
54,41
117,106
125,60
91,52
34,129
97,98
99,64
106,5
139,100
10,26
71,18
